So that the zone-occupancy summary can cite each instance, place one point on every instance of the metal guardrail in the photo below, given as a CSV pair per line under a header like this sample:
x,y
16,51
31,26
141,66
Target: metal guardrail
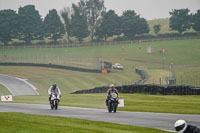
x,y
143,75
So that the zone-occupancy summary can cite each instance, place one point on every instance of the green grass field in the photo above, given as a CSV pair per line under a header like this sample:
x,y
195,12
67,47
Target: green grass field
x,y
23,123
185,55
133,102
183,52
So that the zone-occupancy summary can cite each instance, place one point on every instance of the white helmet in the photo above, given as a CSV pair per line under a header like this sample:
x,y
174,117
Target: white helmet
x,y
180,126
112,85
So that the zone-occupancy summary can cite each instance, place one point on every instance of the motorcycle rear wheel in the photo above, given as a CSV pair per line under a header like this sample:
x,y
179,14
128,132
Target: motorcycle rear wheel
x,y
51,107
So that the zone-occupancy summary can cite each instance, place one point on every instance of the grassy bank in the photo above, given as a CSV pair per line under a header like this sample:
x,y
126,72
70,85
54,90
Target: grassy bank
x,y
23,123
181,53
4,90
68,81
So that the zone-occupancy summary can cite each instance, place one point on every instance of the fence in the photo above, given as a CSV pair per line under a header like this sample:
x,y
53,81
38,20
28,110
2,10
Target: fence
x,y
43,56
105,43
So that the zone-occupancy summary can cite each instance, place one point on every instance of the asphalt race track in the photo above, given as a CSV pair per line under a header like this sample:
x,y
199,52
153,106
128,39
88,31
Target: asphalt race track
x,y
161,121
17,86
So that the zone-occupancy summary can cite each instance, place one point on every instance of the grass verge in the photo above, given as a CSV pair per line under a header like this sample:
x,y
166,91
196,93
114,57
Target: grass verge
x,y
4,90
24,123
133,102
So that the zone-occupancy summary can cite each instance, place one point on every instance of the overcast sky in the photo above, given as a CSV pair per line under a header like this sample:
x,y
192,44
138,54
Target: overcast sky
x,y
149,9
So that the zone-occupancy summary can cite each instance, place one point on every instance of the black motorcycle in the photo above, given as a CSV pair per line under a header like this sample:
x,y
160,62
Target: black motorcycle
x,y
112,103
54,101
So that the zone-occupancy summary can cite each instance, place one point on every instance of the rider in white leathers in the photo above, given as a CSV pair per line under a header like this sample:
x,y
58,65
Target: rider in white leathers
x,y
54,90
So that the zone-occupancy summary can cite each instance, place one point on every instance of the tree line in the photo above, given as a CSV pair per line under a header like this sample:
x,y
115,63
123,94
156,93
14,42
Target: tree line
x,y
86,18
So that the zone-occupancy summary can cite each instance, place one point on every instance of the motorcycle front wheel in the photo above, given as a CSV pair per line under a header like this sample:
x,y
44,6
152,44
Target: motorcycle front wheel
x,y
56,105
115,107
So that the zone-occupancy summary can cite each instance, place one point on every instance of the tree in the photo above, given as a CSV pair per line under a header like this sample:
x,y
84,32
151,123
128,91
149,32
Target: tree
x,y
196,21
133,25
180,20
31,24
142,26
79,27
8,25
110,25
93,10
54,28
156,28
66,14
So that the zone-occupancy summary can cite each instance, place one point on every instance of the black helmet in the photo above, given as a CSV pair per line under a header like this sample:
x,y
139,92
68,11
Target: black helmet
x,y
54,86
180,126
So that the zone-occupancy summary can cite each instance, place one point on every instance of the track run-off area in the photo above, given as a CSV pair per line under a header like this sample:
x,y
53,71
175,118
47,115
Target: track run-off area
x,y
163,121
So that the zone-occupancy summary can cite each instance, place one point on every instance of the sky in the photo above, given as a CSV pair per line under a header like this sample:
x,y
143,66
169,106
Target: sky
x,y
148,9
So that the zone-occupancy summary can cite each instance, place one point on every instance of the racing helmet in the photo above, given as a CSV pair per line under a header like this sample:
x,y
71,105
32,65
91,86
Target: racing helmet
x,y
54,86
180,126
112,86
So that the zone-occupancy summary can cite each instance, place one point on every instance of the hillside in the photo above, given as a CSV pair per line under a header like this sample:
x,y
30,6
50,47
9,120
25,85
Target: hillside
x,y
184,54
164,22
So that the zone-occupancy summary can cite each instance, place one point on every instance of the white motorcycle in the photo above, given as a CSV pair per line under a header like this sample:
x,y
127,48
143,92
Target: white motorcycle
x,y
54,101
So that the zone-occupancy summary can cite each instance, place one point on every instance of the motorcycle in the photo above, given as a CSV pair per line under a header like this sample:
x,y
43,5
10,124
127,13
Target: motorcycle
x,y
54,101
113,102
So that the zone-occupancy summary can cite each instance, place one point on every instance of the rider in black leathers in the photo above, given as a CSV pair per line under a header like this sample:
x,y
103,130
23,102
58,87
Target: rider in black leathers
x,y
182,127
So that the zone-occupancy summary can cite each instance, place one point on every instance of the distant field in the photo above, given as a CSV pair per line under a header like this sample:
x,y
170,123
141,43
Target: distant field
x,y
164,22
176,50
184,54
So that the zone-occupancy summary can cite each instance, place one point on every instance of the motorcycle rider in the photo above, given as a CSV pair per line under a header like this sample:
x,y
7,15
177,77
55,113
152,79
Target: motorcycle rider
x,y
53,89
182,127
109,91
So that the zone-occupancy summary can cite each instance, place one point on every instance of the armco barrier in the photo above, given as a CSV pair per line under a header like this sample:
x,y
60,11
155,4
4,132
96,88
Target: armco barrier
x,y
52,66
147,89
142,74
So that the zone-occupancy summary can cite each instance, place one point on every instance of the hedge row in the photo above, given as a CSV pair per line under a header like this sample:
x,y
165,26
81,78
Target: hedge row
x,y
147,89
